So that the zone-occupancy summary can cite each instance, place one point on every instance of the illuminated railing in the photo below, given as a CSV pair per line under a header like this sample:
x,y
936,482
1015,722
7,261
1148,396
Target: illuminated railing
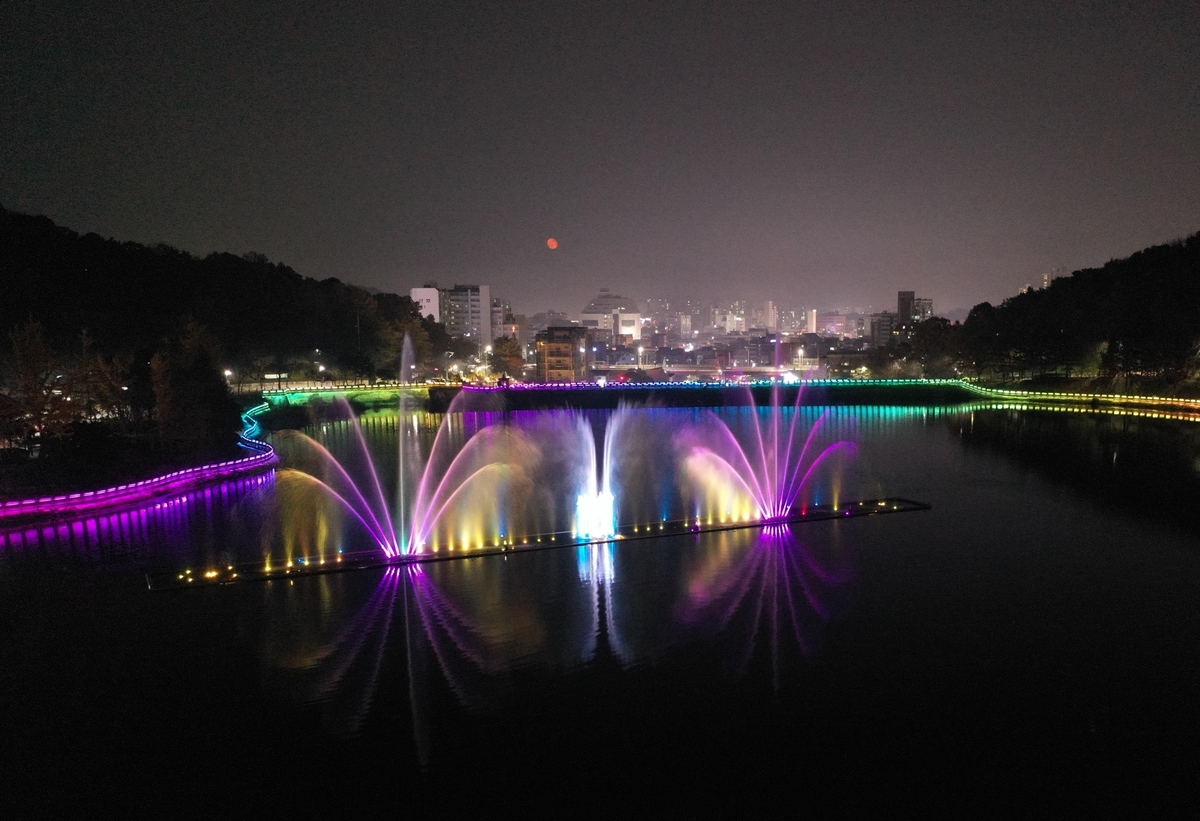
x,y
344,387
1002,394
262,457
757,383
999,394
1064,396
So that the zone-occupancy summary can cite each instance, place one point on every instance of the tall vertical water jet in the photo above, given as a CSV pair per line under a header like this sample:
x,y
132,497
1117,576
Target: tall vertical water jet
x,y
620,482
595,517
407,366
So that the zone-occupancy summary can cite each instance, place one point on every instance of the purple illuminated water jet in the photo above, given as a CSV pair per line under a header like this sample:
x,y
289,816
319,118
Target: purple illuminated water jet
x,y
762,476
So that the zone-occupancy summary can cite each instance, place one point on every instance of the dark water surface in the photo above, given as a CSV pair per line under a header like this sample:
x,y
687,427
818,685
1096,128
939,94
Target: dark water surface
x,y
1032,642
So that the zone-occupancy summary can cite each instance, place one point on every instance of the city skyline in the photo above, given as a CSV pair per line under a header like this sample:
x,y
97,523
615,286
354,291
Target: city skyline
x,y
839,154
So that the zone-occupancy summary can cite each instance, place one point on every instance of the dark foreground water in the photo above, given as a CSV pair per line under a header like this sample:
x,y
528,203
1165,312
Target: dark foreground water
x,y
1032,643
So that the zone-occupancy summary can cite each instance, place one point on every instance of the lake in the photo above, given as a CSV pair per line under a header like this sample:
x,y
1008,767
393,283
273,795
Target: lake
x,y
1031,642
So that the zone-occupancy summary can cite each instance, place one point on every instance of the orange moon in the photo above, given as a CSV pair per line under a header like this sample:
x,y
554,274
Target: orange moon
x,y
552,243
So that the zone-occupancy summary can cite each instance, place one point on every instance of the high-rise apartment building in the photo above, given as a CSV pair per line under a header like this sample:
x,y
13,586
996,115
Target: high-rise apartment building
x,y
770,316
729,322
467,312
501,316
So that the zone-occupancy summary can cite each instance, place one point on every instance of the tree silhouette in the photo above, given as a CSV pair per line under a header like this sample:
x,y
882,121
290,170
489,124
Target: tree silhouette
x,y
193,407
506,358
39,403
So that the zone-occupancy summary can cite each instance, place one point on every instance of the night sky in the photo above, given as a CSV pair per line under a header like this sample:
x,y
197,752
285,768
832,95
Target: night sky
x,y
822,155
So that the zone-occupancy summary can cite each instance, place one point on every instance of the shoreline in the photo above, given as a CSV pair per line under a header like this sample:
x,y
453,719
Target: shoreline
x,y
52,507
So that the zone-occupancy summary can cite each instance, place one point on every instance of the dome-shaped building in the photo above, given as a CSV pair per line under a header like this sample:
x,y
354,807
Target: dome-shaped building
x,y
619,315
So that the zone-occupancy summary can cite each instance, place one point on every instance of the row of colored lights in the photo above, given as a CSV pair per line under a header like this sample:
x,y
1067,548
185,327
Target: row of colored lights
x,y
994,393
699,522
758,383
342,387
537,386
977,389
1100,397
839,382
1144,414
503,544
264,456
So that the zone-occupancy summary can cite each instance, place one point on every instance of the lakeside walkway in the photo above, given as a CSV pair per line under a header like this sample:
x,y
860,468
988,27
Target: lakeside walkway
x,y
262,457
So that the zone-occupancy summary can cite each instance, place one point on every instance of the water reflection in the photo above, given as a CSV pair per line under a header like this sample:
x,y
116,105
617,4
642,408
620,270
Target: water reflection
x,y
1134,461
466,624
323,653
476,628
597,572
765,590
209,526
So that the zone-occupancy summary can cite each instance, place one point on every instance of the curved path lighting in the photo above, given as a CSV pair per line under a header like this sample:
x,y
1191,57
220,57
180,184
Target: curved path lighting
x,y
262,456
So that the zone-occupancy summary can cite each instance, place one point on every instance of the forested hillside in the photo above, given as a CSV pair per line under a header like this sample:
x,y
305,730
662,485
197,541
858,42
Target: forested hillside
x,y
1138,315
1136,318
129,298
117,358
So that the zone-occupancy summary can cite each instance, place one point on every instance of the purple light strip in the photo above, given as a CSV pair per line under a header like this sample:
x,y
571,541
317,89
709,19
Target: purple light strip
x,y
991,393
174,482
756,383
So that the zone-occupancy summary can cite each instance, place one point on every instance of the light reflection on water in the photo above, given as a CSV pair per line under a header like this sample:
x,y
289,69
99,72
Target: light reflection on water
x,y
765,590
470,625
1029,620
213,525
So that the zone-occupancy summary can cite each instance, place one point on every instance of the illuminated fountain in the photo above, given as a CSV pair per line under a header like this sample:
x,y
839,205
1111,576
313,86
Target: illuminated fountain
x,y
500,485
478,496
313,476
486,483
595,510
509,483
492,481
764,477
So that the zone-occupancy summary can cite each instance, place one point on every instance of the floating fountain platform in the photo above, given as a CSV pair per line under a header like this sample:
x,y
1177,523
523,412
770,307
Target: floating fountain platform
x,y
363,560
